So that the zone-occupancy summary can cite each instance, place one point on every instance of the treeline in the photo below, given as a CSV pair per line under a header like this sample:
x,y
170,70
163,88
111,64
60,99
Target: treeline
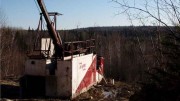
x,y
128,51
14,43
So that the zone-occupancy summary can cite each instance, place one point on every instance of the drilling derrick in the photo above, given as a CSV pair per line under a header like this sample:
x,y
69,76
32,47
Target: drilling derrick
x,y
52,31
60,69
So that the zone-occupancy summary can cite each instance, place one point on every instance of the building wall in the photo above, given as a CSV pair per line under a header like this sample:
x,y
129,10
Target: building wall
x,y
35,67
83,74
64,78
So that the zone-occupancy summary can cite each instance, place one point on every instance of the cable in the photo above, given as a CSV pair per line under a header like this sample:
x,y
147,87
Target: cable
x,y
38,35
44,25
37,6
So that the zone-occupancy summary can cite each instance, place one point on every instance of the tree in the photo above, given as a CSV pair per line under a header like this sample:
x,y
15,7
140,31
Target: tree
x,y
2,24
3,18
161,82
165,12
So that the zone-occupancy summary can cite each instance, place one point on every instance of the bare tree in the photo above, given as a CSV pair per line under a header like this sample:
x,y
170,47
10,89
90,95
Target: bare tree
x,y
156,12
3,18
162,83
2,24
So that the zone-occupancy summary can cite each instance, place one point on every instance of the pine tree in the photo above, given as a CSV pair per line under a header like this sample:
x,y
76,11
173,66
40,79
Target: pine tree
x,y
163,83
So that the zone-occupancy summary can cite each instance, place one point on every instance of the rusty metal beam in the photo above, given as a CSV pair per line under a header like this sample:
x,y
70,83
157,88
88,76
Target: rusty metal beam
x,y
52,32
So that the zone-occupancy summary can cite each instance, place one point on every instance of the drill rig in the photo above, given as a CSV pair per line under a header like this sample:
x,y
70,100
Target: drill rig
x,y
60,69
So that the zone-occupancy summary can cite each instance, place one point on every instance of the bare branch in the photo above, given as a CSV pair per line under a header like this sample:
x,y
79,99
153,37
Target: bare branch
x,y
146,11
175,11
2,18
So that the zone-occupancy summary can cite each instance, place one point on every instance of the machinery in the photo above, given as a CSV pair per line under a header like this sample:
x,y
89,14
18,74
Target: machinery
x,y
60,69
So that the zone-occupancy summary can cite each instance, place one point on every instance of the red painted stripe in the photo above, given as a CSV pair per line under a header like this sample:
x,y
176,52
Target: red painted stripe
x,y
89,78
101,68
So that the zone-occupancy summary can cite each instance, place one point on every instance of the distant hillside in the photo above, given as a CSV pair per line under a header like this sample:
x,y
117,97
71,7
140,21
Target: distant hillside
x,y
128,50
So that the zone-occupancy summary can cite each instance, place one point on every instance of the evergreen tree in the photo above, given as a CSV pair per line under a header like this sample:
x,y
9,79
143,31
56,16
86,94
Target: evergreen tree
x,y
163,83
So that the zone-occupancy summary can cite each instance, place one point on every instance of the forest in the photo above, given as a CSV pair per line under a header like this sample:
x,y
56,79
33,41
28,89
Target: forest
x,y
128,51
131,53
145,56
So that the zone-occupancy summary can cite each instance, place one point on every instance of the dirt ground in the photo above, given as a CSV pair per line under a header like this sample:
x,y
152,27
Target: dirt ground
x,y
119,91
108,92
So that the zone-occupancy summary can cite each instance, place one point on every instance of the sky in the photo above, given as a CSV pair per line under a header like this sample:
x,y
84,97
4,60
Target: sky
x,y
76,13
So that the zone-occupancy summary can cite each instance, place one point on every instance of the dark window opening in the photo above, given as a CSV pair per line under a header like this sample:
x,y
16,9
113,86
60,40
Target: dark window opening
x,y
33,62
